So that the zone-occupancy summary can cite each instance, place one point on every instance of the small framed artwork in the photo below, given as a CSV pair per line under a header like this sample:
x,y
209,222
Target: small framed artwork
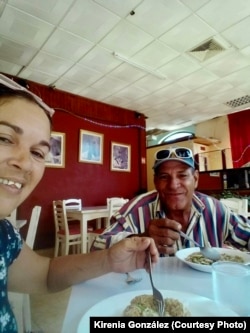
x,y
91,147
120,157
56,155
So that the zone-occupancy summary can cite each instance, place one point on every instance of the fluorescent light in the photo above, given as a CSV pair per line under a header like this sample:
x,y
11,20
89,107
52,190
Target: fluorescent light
x,y
2,6
144,68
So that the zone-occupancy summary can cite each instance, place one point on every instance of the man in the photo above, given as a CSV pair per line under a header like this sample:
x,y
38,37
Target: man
x,y
176,205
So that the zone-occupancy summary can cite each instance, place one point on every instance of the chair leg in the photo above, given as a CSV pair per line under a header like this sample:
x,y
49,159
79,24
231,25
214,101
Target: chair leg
x,y
56,248
66,249
16,301
26,313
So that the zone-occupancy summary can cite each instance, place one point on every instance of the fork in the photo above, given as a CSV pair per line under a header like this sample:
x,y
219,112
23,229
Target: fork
x,y
131,280
157,295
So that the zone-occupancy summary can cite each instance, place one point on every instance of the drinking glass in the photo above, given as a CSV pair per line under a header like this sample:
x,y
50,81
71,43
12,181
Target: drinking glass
x,y
231,286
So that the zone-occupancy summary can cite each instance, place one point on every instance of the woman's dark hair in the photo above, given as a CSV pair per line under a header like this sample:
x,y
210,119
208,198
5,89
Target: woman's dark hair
x,y
8,93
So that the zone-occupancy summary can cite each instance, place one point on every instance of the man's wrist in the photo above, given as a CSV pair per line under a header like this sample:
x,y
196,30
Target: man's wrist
x,y
143,234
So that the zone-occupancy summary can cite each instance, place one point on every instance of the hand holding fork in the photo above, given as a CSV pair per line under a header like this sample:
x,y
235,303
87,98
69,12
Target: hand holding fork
x,y
157,295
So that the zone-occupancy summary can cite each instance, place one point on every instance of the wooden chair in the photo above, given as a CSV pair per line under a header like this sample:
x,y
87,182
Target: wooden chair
x,y
34,219
72,204
21,302
66,235
237,205
113,204
12,217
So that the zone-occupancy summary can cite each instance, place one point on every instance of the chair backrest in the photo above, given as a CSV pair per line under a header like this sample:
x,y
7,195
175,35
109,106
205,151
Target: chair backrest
x,y
114,204
237,205
72,203
31,234
12,217
60,217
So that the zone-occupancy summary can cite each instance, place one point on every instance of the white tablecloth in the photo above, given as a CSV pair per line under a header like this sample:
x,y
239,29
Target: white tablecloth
x,y
169,274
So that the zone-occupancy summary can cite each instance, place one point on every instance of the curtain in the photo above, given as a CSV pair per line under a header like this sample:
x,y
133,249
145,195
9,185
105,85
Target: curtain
x,y
239,127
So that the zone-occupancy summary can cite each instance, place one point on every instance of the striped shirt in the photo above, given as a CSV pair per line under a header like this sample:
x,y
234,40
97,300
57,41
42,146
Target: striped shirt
x,y
210,222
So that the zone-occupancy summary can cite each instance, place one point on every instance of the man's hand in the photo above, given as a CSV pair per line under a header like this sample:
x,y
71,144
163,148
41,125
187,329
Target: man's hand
x,y
165,233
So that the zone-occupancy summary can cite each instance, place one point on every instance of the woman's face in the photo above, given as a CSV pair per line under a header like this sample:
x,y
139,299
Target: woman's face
x,y
24,143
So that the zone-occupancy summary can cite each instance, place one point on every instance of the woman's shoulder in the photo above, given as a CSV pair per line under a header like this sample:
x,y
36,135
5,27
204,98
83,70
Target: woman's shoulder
x,y
10,241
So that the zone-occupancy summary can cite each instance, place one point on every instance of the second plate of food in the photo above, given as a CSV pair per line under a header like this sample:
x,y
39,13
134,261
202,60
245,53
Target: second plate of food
x,y
193,258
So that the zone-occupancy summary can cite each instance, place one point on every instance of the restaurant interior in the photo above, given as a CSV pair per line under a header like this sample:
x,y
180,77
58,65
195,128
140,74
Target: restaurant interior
x,y
127,95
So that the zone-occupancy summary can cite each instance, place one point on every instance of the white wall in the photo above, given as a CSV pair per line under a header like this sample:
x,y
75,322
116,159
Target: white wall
x,y
216,128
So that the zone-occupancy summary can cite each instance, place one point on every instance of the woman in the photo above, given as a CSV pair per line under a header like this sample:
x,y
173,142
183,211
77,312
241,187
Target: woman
x,y
25,127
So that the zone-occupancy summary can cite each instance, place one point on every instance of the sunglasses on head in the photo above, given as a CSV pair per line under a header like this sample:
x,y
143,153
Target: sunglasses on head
x,y
180,152
5,81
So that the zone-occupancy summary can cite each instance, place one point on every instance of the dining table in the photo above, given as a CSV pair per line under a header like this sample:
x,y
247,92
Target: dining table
x,y
169,273
85,215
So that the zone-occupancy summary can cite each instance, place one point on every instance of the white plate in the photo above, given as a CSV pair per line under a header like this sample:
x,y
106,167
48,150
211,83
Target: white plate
x,y
115,305
183,254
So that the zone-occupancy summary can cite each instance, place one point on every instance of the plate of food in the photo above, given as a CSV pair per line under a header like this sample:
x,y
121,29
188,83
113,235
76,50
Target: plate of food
x,y
178,304
193,258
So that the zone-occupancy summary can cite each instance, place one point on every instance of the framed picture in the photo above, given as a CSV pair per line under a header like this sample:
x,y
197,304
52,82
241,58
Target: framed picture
x,y
56,155
120,157
91,147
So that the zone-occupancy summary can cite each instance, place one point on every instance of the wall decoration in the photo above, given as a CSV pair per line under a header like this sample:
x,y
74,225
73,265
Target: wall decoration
x,y
56,155
120,157
91,147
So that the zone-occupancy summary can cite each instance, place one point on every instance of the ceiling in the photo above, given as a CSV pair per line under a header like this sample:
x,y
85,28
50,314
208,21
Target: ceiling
x,y
71,45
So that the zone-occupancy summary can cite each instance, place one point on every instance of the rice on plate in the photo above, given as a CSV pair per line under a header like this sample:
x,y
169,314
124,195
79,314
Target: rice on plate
x,y
192,257
144,306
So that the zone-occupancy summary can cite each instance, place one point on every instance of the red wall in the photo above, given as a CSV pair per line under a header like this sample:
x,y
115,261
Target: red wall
x,y
91,182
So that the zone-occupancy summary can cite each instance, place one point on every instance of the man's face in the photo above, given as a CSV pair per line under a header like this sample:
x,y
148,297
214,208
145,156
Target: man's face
x,y
176,183
24,143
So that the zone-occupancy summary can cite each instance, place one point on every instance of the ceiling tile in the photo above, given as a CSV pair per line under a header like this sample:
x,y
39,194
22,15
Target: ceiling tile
x,y
229,64
49,63
188,34
154,55
76,46
170,91
83,75
69,85
194,4
151,83
70,44
239,77
126,39
16,53
214,87
198,79
148,15
221,15
9,68
38,76
89,20
121,8
23,28
180,67
110,84
236,35
50,11
228,95
132,94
